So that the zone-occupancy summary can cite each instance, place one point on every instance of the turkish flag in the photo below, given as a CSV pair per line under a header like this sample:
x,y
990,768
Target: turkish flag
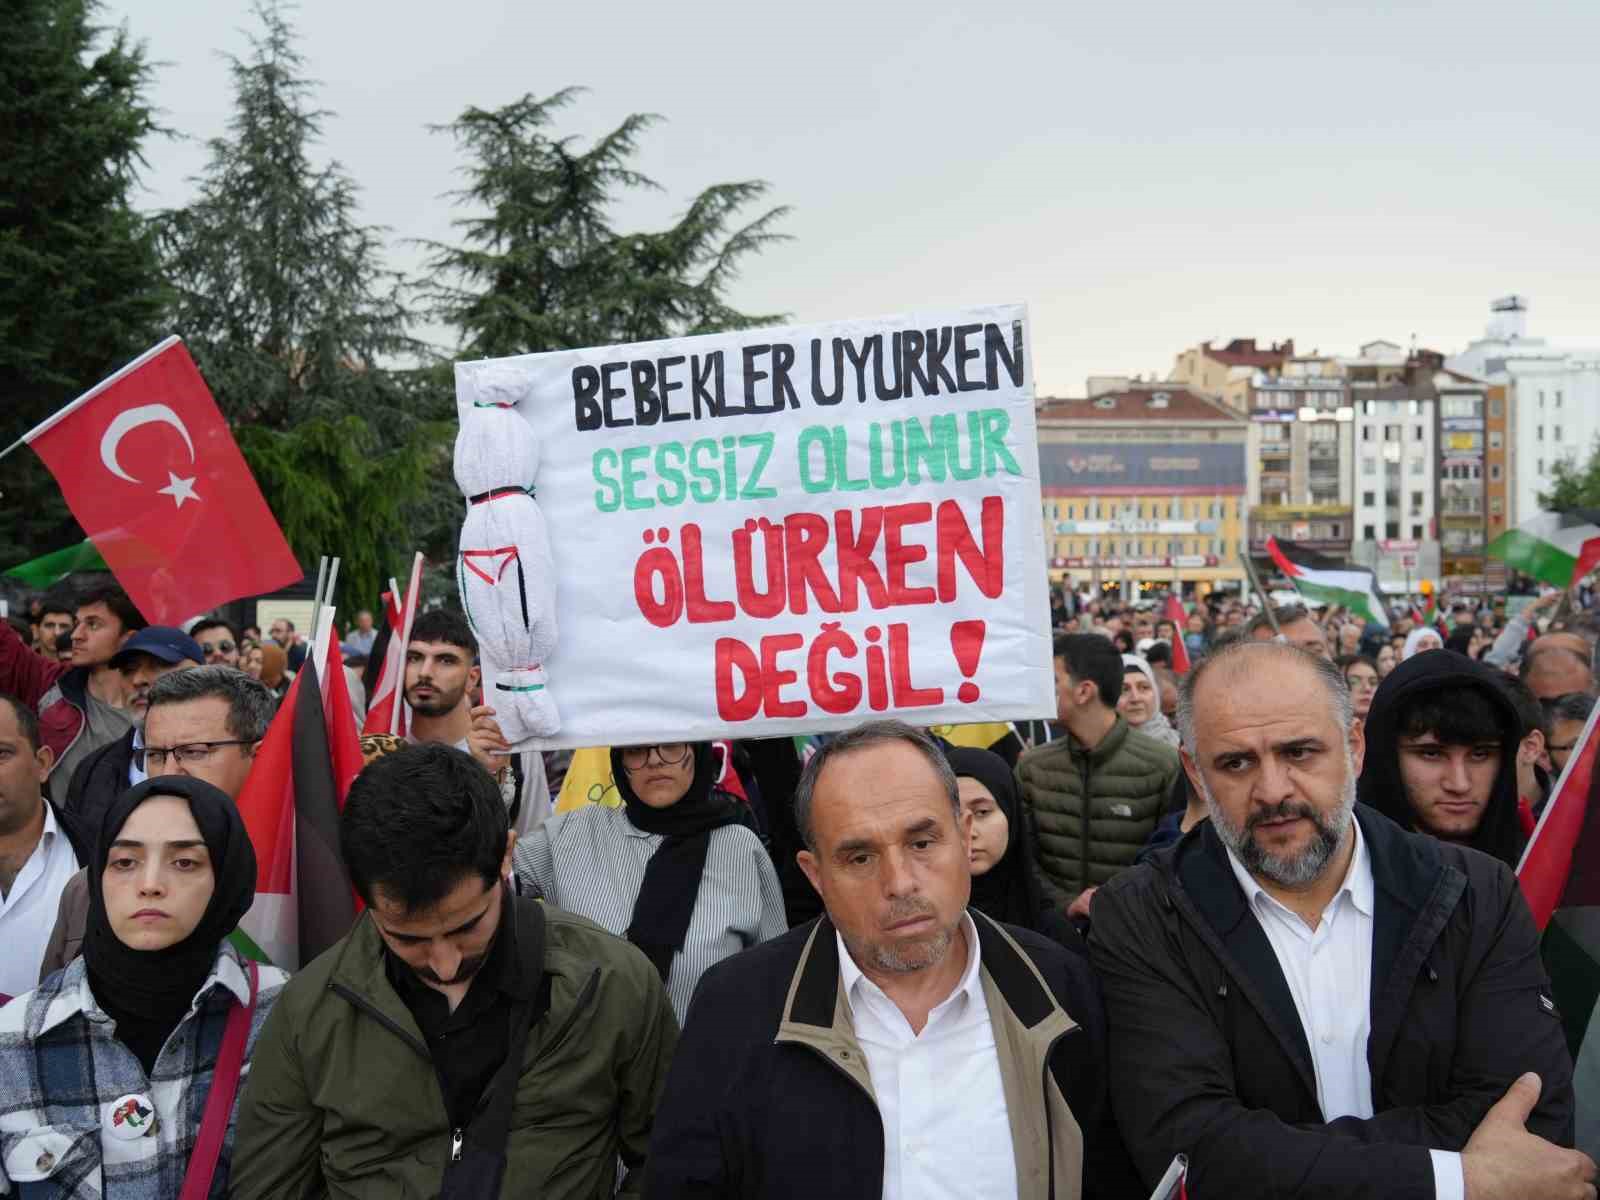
x,y
150,471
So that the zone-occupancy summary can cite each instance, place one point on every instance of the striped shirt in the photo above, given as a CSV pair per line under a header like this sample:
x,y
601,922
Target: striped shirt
x,y
591,861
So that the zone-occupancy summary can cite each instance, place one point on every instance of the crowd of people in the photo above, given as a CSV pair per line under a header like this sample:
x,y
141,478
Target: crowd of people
x,y
1248,898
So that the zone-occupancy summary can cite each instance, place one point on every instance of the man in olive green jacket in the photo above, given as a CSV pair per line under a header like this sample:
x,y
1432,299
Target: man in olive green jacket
x,y
382,1063
1096,794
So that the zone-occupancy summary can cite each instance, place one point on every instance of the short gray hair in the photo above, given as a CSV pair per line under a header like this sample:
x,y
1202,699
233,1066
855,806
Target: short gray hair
x,y
1329,675
251,704
873,733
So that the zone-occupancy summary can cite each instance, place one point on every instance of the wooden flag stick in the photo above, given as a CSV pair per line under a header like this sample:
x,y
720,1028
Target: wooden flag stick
x,y
1266,600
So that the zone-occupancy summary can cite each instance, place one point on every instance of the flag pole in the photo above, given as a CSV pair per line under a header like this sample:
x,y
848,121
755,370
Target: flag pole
x,y
1266,600
413,590
325,624
61,415
316,596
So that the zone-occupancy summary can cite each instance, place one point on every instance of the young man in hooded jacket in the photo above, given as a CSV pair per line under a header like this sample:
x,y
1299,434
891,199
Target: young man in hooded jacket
x,y
1442,740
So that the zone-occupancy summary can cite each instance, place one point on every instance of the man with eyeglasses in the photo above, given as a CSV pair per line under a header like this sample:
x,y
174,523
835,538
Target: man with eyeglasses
x,y
218,640
1565,716
205,722
153,652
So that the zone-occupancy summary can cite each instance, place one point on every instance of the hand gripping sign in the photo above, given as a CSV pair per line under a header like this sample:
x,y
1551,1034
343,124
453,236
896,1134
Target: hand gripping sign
x,y
505,572
778,531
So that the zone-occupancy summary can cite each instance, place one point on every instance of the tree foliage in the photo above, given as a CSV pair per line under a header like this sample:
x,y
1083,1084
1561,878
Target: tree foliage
x,y
541,267
302,331
80,289
1574,484
328,468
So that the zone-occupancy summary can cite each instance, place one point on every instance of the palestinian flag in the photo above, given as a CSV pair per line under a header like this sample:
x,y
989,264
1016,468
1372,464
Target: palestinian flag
x,y
1330,582
1428,614
290,805
1180,651
50,569
1560,878
1559,548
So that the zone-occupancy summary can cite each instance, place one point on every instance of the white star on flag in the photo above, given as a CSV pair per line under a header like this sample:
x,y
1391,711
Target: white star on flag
x,y
179,489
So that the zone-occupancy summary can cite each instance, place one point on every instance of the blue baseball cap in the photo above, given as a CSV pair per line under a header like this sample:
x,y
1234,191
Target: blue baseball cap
x,y
159,641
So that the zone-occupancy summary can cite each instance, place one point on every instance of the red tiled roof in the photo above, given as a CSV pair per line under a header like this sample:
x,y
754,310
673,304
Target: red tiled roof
x,y
1242,352
1182,405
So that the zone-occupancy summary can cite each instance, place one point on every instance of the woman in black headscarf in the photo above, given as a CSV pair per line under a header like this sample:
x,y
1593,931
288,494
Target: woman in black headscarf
x,y
173,872
1005,882
677,869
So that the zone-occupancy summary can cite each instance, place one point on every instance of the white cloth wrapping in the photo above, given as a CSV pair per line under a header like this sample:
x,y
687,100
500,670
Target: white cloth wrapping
x,y
504,570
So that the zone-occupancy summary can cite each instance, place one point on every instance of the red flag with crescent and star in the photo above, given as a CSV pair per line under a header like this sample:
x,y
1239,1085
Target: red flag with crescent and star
x,y
149,469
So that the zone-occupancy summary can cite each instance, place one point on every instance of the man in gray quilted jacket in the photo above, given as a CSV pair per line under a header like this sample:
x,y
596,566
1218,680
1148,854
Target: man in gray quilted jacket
x,y
1095,795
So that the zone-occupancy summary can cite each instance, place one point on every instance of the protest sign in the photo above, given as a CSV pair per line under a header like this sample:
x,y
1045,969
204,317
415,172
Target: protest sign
x,y
781,530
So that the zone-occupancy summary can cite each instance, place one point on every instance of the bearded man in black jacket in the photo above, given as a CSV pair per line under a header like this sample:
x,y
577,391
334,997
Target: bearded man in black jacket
x,y
1308,1000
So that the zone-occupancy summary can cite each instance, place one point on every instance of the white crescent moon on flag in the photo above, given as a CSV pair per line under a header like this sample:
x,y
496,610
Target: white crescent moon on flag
x,y
126,422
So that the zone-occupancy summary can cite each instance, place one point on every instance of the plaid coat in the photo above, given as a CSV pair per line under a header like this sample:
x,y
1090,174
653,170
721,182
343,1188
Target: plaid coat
x,y
62,1070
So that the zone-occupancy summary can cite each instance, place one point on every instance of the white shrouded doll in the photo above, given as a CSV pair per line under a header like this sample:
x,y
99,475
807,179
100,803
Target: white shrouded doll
x,y
504,569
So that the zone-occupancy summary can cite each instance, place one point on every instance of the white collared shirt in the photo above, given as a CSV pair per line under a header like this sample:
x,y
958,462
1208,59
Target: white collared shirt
x,y
946,1133
1329,973
28,912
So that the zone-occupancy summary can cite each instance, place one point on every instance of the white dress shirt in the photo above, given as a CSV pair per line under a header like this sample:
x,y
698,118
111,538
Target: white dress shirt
x,y
946,1133
28,912
1329,973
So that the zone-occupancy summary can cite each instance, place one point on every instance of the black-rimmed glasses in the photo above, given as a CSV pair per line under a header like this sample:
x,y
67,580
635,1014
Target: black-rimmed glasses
x,y
668,754
148,758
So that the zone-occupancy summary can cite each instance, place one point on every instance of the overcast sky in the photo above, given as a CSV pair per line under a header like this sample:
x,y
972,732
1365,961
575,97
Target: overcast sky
x,y
1142,176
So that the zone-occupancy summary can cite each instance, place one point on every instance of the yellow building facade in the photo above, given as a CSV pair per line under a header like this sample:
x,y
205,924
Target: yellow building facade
x,y
1144,488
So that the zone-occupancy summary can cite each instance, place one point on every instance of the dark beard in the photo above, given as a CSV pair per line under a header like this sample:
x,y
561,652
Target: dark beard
x,y
465,971
441,705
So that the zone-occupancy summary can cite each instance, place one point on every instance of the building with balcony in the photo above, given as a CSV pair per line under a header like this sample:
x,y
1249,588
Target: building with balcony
x,y
1324,528
1551,404
1496,459
1144,488
1463,479
1299,449
1226,372
1395,482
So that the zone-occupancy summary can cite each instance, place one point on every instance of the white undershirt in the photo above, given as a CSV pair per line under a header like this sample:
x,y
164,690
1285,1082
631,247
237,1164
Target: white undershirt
x,y
946,1132
28,912
1329,973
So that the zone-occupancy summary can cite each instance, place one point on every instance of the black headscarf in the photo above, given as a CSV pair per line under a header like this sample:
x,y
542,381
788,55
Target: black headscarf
x,y
1500,832
147,992
666,899
1009,890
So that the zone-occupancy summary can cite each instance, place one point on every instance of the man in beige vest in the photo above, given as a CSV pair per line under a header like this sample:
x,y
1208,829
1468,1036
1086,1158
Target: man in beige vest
x,y
902,1046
